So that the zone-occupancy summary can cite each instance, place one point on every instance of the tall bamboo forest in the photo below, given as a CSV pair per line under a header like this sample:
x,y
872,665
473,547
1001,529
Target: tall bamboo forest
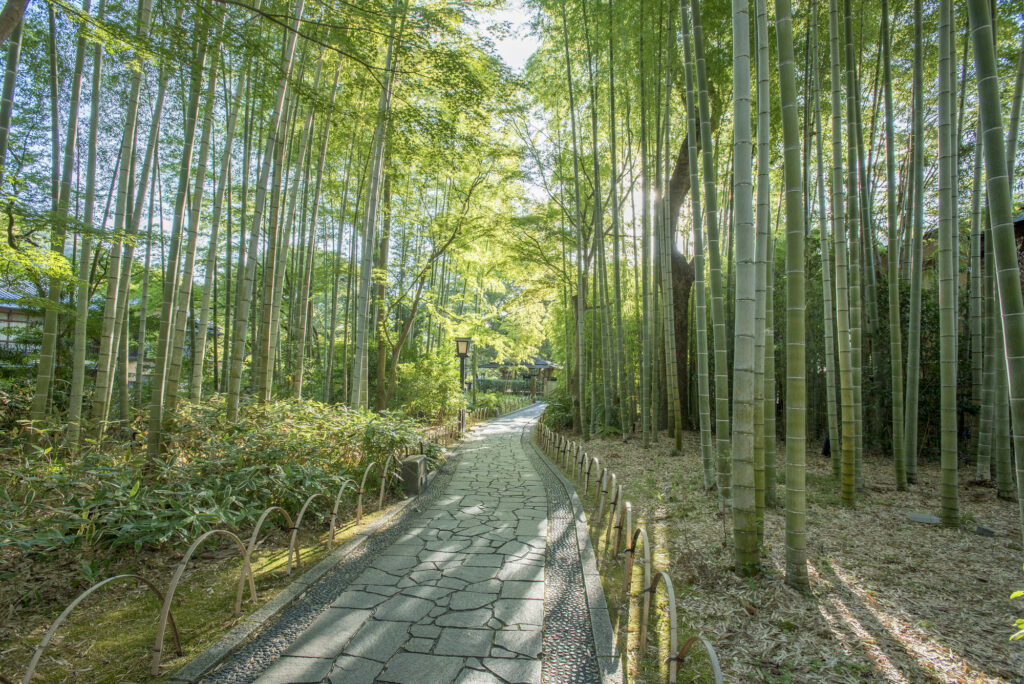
x,y
769,252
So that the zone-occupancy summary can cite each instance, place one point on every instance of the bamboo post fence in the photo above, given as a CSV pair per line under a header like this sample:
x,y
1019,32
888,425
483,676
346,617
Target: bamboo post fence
x,y
615,513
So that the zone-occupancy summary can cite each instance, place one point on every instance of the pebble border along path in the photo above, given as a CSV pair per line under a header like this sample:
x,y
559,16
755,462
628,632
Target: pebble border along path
x,y
487,579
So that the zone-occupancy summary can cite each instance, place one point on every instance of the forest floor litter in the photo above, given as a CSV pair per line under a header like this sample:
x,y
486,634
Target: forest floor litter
x,y
891,600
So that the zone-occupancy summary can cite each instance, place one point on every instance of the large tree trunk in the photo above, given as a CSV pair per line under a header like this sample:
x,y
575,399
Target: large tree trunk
x,y
682,277
700,299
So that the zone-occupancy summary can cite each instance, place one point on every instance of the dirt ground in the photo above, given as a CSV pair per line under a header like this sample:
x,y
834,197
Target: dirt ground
x,y
891,600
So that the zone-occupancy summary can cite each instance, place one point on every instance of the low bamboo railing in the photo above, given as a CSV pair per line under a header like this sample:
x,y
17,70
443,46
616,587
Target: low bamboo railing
x,y
613,515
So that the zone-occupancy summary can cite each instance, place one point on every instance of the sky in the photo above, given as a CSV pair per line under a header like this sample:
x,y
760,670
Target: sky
x,y
517,47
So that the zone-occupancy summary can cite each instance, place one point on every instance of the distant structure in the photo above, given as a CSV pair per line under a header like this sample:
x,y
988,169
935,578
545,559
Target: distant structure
x,y
539,372
14,317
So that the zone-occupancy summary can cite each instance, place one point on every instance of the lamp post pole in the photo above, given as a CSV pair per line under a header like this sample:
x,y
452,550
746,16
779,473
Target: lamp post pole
x,y
462,345
462,385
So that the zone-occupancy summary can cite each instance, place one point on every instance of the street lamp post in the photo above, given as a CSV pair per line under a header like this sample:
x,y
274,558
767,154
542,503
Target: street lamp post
x,y
462,345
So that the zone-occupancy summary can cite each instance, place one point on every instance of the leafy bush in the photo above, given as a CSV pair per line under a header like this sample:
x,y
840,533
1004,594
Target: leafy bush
x,y
500,386
487,400
428,389
15,402
558,414
217,475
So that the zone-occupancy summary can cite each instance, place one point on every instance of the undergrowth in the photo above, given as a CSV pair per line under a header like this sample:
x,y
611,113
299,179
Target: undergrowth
x,y
69,520
216,474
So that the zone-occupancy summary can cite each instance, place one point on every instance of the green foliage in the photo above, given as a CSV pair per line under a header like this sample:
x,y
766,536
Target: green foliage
x,y
487,400
428,388
498,386
558,414
15,400
218,476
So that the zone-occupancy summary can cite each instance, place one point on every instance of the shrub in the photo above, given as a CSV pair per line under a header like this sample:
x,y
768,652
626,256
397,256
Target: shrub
x,y
500,386
487,400
428,389
217,475
558,414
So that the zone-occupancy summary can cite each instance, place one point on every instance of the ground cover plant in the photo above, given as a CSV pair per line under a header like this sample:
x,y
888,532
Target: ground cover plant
x,y
69,521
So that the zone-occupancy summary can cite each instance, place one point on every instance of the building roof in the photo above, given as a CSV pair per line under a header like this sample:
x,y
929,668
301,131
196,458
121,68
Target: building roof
x,y
10,299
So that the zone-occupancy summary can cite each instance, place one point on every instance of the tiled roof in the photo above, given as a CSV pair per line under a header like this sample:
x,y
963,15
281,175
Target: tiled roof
x,y
9,297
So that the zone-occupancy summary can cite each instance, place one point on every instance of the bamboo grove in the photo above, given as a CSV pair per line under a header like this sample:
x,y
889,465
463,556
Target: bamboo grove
x,y
753,220
255,200
788,221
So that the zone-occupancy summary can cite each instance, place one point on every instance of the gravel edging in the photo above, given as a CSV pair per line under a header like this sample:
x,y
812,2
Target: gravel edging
x,y
600,627
251,624
265,635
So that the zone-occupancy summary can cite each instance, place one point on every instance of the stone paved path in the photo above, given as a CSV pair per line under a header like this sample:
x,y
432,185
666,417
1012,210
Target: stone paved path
x,y
460,595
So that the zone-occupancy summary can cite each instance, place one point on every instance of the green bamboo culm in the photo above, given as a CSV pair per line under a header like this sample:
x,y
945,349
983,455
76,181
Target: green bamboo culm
x,y
950,508
981,360
662,221
997,184
744,514
720,339
895,329
826,267
917,227
846,394
796,383
760,260
699,289
856,239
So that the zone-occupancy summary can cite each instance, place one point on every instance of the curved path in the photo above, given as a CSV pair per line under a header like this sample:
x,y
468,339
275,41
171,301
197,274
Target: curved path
x,y
490,578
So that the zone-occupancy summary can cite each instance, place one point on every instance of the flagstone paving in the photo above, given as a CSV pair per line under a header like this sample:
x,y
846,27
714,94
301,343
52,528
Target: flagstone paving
x,y
460,595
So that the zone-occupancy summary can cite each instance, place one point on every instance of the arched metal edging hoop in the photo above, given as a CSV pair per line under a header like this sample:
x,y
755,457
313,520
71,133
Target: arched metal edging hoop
x,y
393,470
161,627
673,636
586,481
251,547
362,488
347,484
716,669
298,523
638,533
81,597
